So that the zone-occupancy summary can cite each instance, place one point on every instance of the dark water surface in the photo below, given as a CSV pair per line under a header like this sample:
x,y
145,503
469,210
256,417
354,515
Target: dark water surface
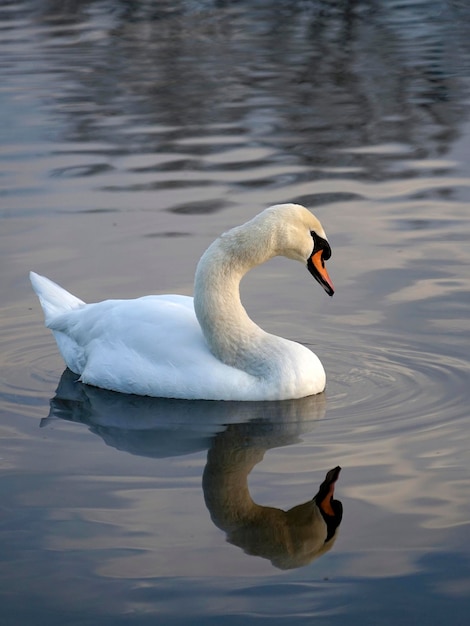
x,y
132,134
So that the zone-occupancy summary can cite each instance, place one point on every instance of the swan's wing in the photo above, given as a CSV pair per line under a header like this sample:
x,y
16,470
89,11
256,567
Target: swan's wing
x,y
150,326
149,346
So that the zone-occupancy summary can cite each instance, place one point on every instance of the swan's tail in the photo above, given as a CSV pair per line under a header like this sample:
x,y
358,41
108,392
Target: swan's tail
x,y
54,299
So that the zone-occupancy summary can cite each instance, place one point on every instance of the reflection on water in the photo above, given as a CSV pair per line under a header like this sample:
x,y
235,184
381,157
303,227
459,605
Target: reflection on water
x,y
288,539
134,132
158,427
161,427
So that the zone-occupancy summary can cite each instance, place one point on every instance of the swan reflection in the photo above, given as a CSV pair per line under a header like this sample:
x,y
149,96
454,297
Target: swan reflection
x,y
288,539
236,435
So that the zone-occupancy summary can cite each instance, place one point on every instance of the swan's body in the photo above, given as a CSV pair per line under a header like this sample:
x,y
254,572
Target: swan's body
x,y
202,348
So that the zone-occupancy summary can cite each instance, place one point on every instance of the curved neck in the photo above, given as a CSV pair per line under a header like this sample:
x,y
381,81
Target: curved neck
x,y
231,335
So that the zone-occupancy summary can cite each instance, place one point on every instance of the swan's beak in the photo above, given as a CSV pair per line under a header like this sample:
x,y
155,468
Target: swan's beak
x,y
326,492
316,267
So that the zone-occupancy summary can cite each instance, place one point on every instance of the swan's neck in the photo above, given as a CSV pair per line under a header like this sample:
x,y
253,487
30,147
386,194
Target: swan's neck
x,y
231,335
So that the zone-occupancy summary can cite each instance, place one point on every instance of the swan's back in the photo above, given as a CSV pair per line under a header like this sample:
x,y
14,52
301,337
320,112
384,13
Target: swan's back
x,y
147,346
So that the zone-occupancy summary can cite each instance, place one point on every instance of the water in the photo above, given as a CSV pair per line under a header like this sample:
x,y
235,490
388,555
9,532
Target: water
x,y
133,133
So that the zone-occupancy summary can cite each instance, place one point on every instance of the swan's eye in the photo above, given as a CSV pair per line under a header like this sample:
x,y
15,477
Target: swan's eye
x,y
319,243
315,240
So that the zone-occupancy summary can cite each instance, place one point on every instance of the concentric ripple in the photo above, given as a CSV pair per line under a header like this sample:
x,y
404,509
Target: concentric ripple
x,y
386,387
30,362
394,387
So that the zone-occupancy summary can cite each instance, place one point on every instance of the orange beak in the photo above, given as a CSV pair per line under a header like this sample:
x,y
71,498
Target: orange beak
x,y
316,266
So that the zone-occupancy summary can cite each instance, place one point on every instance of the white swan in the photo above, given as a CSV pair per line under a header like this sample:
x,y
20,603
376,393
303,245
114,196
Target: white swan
x,y
203,348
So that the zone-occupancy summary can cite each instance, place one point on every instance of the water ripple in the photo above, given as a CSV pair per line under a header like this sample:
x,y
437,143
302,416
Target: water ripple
x,y
29,362
394,388
384,389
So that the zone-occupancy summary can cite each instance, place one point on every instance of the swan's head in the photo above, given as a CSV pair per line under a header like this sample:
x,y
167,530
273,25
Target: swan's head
x,y
302,238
